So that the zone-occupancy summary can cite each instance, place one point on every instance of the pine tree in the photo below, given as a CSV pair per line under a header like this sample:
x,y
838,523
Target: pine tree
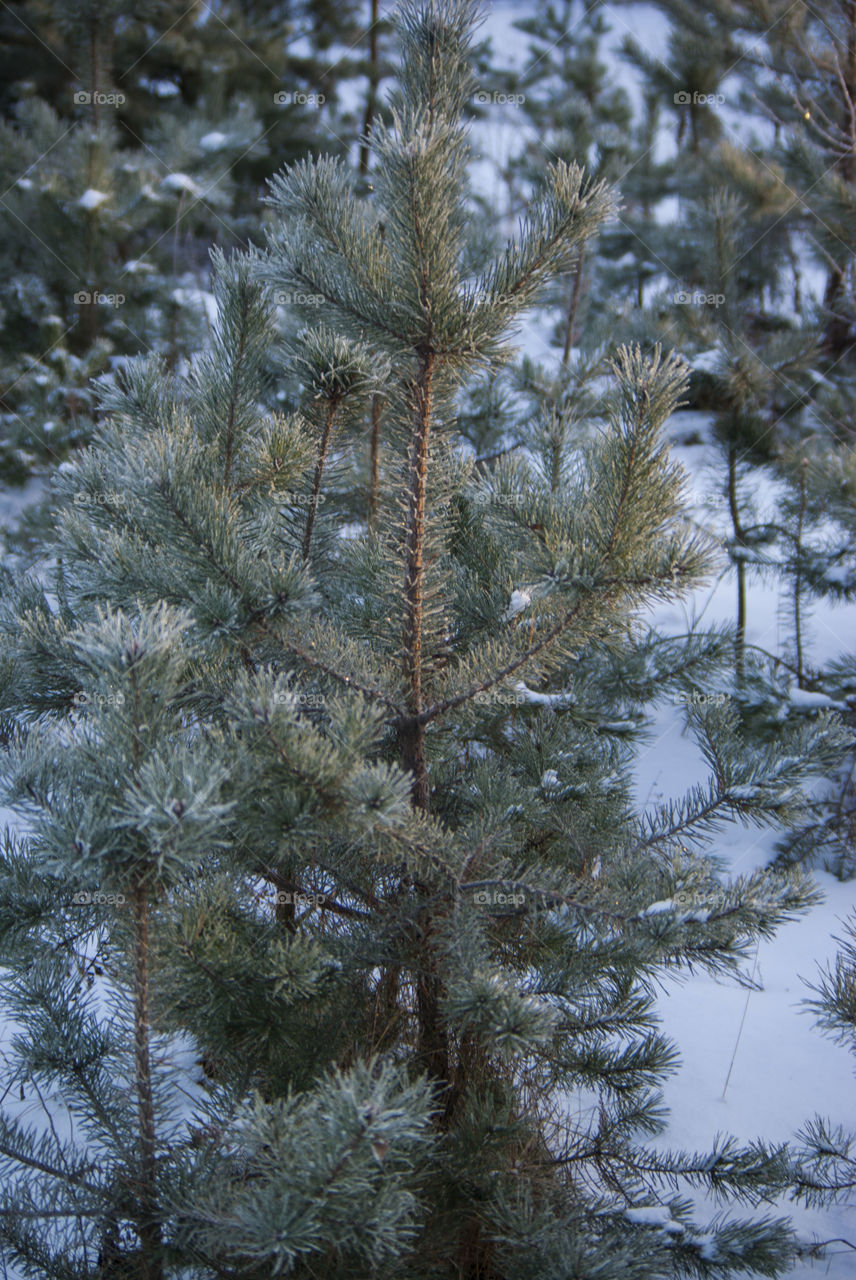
x,y
364,785
819,567
827,1171
783,353
575,115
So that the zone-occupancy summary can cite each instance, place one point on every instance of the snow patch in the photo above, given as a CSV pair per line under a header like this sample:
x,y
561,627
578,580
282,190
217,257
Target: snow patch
x,y
213,141
181,182
706,361
808,698
92,199
519,601
654,1215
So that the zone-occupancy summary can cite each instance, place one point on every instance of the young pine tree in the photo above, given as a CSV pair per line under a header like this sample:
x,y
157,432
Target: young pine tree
x,y
382,877
828,1174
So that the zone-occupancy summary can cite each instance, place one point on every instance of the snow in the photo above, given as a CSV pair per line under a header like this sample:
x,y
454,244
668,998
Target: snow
x,y
811,700
181,182
745,793
752,1062
136,266
659,908
840,575
160,88
92,199
519,601
542,699
654,1215
197,300
12,504
549,779
213,141
763,1044
707,361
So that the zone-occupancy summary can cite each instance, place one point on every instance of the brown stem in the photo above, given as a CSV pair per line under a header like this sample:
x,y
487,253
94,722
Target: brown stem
x,y
148,1227
433,1044
94,69
374,461
798,581
573,306
371,99
239,365
838,326
332,406
740,541
413,756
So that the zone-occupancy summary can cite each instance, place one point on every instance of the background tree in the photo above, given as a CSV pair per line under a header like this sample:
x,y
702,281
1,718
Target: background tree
x,y
131,141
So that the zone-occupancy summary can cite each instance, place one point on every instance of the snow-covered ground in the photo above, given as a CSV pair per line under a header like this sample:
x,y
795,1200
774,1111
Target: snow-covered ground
x,y
753,1063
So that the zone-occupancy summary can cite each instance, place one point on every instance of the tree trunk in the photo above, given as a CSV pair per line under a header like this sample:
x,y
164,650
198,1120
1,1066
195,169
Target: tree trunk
x,y
319,475
371,99
739,538
837,332
413,733
433,1047
573,306
374,462
798,584
148,1226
